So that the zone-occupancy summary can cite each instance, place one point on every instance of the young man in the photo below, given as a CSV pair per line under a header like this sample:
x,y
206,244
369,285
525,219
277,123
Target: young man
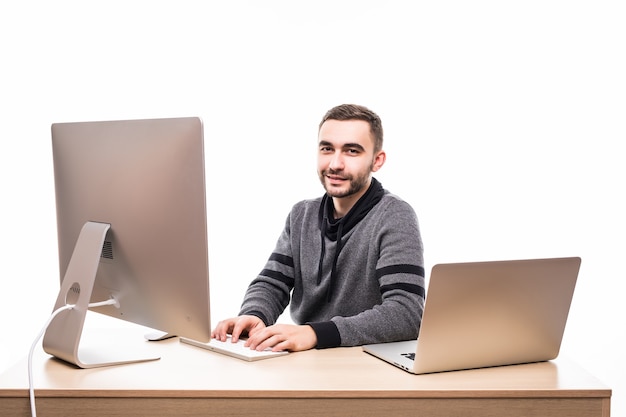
x,y
350,263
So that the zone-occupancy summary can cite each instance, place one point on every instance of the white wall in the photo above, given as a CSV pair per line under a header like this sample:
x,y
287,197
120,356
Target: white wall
x,y
503,125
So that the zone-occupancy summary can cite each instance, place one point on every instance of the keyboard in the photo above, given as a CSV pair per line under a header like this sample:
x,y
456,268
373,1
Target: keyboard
x,y
236,350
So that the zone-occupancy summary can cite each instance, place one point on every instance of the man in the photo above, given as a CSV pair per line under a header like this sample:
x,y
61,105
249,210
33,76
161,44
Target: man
x,y
350,263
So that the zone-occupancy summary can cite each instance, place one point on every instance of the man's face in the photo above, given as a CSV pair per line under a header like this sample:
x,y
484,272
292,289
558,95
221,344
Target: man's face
x,y
346,158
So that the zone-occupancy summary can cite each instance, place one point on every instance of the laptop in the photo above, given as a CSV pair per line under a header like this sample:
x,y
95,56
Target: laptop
x,y
236,350
484,314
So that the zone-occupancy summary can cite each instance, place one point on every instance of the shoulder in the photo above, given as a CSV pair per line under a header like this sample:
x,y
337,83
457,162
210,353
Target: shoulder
x,y
394,204
305,209
306,205
393,213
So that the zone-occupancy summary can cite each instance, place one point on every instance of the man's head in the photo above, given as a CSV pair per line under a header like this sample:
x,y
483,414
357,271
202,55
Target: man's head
x,y
349,149
356,112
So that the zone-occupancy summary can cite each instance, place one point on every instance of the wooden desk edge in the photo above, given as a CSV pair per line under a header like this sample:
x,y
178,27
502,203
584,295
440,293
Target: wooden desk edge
x,y
195,393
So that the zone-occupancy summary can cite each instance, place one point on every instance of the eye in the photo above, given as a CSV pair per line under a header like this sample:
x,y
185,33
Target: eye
x,y
325,149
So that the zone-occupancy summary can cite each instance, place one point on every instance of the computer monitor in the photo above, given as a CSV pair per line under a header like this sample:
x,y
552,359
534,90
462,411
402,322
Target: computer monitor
x,y
131,220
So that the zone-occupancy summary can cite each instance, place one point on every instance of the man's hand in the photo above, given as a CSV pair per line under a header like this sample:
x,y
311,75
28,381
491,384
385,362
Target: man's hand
x,y
283,337
237,326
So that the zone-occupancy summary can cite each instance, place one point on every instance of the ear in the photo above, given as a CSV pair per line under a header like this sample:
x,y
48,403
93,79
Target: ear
x,y
379,160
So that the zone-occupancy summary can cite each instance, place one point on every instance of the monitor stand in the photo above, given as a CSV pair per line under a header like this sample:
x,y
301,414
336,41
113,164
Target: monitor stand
x,y
157,336
63,335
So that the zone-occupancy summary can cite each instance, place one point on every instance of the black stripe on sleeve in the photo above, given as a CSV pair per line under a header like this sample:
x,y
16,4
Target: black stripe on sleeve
x,y
412,288
400,269
278,276
282,259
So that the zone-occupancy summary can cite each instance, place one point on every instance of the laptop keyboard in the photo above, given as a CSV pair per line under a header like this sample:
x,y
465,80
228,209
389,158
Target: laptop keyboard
x,y
410,356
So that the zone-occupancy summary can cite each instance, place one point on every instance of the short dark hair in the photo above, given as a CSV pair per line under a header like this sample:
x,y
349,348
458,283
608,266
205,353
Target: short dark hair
x,y
357,112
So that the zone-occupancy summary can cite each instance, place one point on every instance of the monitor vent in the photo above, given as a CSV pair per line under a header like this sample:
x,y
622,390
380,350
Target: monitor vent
x,y
107,250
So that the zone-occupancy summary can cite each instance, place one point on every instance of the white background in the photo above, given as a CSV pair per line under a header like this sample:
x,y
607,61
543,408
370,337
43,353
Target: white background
x,y
504,122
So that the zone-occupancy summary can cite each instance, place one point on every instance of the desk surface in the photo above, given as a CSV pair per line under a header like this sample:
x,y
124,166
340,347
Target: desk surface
x,y
191,381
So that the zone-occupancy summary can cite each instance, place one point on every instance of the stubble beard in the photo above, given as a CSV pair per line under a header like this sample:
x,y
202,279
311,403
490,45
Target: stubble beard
x,y
356,184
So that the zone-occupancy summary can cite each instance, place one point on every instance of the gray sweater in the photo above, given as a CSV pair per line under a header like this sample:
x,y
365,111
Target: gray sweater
x,y
377,291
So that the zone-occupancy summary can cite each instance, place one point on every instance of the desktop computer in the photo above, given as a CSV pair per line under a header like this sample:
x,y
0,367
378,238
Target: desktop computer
x,y
132,233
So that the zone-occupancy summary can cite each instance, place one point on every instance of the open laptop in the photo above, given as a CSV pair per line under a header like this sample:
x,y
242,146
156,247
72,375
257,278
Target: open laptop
x,y
484,314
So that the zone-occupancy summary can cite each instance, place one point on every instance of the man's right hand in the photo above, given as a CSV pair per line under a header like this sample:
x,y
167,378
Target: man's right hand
x,y
237,326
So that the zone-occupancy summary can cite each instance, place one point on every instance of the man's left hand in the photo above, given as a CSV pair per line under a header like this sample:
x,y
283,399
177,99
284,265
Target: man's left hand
x,y
279,337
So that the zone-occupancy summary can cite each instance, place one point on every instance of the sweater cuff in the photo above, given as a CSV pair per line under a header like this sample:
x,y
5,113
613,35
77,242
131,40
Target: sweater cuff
x,y
327,334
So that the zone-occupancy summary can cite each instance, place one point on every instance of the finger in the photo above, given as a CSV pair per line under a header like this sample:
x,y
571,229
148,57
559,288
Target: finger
x,y
221,330
216,331
284,345
272,342
255,328
258,337
240,326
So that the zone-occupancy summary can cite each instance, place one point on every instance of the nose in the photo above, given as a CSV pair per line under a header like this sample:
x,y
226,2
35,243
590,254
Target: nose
x,y
336,162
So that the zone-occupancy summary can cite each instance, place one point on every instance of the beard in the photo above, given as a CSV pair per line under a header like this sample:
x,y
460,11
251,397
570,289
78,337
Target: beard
x,y
355,183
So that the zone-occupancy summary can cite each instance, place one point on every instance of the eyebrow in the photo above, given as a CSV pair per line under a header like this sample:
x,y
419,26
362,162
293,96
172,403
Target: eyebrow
x,y
344,146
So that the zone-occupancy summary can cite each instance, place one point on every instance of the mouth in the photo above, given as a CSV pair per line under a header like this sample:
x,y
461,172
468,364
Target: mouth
x,y
335,179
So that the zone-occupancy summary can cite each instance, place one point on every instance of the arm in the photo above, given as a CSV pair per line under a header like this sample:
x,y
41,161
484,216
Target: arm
x,y
266,297
397,266
268,294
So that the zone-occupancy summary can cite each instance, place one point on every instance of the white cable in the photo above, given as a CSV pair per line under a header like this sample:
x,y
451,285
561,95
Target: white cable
x,y
109,302
31,387
33,411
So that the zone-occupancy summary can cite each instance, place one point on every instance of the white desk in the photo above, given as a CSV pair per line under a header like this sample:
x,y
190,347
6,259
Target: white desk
x,y
190,381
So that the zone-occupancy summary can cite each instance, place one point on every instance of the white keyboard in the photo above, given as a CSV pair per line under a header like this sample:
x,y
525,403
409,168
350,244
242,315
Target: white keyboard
x,y
237,350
